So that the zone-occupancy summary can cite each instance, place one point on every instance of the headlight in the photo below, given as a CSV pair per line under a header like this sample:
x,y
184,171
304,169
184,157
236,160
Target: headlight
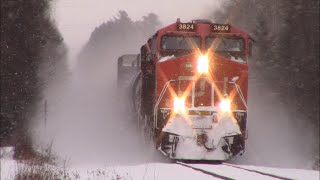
x,y
225,105
203,64
178,105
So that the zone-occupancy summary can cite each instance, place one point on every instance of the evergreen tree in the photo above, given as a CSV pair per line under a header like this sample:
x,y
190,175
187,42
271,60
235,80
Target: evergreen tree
x,y
30,44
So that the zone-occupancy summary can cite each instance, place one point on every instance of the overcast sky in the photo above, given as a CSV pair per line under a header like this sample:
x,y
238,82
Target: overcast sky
x,y
76,19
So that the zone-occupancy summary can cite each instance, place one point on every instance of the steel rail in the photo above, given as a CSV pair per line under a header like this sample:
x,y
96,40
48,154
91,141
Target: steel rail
x,y
205,172
258,172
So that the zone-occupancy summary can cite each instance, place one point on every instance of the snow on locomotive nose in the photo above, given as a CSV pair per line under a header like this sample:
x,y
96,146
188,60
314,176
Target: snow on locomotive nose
x,y
189,90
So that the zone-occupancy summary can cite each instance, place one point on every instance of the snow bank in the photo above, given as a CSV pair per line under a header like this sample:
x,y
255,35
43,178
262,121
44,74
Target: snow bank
x,y
159,171
8,166
165,171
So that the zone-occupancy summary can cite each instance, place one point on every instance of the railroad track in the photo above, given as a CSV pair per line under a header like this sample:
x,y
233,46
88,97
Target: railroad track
x,y
258,172
205,172
237,169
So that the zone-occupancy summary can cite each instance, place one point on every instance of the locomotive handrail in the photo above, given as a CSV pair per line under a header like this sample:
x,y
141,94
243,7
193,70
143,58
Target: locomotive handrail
x,y
155,112
164,89
240,94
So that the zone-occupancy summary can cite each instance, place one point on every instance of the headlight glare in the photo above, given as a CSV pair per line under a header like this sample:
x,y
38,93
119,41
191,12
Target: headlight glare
x,y
179,105
203,64
225,105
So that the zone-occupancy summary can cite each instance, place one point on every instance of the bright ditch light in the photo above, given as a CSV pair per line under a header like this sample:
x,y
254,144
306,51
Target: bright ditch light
x,y
203,64
178,105
225,105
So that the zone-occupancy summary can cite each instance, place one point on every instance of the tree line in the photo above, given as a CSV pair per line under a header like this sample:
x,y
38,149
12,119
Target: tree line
x,y
31,51
286,53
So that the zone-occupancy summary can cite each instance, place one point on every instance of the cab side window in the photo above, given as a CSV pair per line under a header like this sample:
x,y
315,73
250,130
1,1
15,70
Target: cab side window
x,y
154,46
149,52
149,57
143,51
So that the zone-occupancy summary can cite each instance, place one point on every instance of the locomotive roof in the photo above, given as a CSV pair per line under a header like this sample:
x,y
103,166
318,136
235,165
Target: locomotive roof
x,y
173,27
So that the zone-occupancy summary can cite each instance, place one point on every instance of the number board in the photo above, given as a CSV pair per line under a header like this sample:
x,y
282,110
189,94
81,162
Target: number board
x,y
186,27
222,28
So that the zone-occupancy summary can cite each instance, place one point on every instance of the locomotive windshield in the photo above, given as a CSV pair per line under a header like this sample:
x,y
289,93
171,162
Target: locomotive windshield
x,y
225,44
172,42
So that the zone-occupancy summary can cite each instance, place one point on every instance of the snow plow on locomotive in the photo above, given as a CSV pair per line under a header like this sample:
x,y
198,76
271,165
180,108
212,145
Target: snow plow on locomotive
x,y
188,89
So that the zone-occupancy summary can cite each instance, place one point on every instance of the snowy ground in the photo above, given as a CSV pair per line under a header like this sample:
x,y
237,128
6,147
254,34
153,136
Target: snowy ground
x,y
165,171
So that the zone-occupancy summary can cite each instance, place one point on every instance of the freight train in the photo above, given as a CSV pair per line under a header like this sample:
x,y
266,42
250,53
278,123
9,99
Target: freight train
x,y
188,89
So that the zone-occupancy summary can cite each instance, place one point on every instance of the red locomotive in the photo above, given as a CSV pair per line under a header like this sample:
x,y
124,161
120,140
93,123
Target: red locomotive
x,y
189,87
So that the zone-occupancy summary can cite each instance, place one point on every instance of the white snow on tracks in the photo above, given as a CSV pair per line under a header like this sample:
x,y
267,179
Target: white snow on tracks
x,y
165,171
